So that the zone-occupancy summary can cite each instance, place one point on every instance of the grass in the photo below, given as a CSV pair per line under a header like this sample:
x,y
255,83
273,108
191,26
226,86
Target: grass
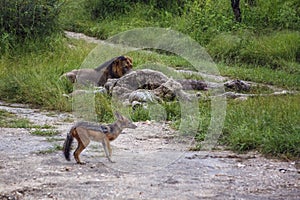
x,y
42,132
33,77
55,148
270,58
268,124
260,74
271,50
10,120
75,18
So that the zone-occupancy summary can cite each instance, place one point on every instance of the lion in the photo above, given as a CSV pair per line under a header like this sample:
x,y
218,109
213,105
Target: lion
x,y
114,68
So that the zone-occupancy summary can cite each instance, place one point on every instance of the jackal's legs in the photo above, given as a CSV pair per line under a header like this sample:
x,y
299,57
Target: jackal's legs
x,y
107,149
78,150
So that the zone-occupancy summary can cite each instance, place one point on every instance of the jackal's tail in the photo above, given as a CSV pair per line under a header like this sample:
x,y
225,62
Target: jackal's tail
x,y
68,144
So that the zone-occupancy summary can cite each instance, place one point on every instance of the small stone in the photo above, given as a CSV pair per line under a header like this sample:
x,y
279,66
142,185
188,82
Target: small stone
x,y
68,169
241,165
282,170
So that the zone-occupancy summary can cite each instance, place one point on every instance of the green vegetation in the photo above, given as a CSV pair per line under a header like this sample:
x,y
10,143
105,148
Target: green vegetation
x,y
10,120
23,19
269,124
41,132
55,148
264,47
34,77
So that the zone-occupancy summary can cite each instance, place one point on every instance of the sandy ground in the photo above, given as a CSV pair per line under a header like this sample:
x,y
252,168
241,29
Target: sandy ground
x,y
151,162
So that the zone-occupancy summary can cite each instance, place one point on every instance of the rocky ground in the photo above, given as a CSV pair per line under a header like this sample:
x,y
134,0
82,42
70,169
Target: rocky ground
x,y
151,162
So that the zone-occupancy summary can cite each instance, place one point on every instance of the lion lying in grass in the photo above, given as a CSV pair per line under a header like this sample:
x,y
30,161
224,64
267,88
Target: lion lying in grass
x,y
114,68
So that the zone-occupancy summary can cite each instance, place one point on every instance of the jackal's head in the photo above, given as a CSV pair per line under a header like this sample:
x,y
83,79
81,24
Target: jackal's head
x,y
124,122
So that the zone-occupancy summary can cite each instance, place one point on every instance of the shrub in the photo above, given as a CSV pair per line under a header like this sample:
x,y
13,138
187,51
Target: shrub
x,y
20,19
275,14
101,9
172,6
104,8
206,19
272,50
279,50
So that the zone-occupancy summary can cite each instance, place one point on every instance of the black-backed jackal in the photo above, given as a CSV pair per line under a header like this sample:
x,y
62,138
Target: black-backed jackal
x,y
84,132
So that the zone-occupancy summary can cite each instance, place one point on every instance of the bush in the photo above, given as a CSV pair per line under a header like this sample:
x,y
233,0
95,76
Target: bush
x,y
276,50
206,19
172,6
101,9
275,14
23,19
272,50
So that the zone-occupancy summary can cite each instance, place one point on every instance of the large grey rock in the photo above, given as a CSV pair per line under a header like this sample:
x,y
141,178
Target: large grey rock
x,y
145,86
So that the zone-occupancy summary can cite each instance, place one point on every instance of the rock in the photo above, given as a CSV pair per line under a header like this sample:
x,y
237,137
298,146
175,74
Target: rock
x,y
237,96
237,85
244,98
142,95
96,90
136,104
146,86
110,84
188,84
140,79
168,90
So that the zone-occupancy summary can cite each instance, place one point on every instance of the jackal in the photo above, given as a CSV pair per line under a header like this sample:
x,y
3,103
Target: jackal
x,y
84,132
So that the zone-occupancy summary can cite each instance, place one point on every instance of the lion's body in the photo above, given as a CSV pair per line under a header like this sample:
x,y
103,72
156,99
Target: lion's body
x,y
114,68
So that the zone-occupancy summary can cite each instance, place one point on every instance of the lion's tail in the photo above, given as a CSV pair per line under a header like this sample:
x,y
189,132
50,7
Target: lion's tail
x,y
68,144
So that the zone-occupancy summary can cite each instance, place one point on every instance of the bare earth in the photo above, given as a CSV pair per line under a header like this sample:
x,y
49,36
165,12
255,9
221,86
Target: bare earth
x,y
152,162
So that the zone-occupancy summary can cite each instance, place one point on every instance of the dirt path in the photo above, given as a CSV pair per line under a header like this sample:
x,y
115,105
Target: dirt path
x,y
151,163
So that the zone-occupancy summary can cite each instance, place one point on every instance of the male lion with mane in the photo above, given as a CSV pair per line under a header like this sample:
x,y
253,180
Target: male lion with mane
x,y
114,68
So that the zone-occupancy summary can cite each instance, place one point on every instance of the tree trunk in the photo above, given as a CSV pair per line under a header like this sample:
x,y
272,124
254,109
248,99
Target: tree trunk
x,y
235,4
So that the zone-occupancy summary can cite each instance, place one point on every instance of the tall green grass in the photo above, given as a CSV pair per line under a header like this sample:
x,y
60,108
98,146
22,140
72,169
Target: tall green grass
x,y
32,73
273,50
76,18
271,58
268,124
202,20
277,78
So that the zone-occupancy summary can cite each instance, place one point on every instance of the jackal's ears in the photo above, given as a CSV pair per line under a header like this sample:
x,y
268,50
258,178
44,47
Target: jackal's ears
x,y
118,115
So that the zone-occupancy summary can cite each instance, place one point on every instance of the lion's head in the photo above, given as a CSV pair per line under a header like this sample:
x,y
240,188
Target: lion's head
x,y
121,66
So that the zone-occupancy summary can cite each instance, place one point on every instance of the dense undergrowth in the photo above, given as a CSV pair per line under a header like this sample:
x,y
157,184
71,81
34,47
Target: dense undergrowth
x,y
264,47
